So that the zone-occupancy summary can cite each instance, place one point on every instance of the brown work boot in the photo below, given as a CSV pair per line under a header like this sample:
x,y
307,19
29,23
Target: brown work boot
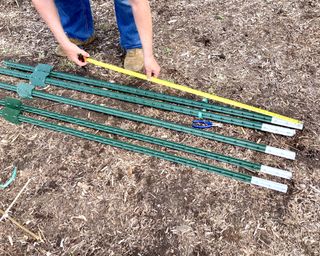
x,y
59,51
134,60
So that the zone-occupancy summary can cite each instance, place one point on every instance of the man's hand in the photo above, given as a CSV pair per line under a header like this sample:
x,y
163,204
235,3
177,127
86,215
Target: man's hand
x,y
152,67
49,13
72,51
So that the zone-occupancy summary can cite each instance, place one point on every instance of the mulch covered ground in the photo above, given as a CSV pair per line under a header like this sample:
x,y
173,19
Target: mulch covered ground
x,y
85,198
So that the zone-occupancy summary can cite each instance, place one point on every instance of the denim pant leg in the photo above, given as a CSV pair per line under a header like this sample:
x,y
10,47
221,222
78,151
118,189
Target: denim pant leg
x,y
76,18
129,36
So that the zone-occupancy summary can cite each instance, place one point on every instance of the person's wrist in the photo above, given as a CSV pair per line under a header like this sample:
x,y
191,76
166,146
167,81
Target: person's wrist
x,y
148,54
65,43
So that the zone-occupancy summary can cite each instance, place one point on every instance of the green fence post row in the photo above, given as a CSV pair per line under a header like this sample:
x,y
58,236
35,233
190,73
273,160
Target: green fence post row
x,y
175,159
156,104
176,146
156,122
161,96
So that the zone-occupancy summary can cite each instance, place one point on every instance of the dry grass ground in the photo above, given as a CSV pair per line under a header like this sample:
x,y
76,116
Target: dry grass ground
x,y
90,199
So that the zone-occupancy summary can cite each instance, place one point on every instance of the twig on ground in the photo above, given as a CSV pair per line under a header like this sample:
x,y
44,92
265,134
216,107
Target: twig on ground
x,y
38,238
5,214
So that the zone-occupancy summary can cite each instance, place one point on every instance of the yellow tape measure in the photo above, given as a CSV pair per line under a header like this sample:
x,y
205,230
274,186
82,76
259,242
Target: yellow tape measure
x,y
192,91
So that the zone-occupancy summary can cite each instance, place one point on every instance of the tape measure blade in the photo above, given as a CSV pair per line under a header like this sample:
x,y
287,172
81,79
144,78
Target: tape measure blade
x,y
192,91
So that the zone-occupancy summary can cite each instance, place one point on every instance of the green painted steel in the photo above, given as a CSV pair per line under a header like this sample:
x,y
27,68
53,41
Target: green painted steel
x,y
135,148
12,110
149,94
39,75
25,90
143,119
11,115
139,100
141,137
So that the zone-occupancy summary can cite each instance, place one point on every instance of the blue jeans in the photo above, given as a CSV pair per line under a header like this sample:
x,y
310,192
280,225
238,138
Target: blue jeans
x,y
77,21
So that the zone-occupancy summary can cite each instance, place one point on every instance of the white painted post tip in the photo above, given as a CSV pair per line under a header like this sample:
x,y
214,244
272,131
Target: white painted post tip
x,y
276,172
280,152
279,121
278,130
269,184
